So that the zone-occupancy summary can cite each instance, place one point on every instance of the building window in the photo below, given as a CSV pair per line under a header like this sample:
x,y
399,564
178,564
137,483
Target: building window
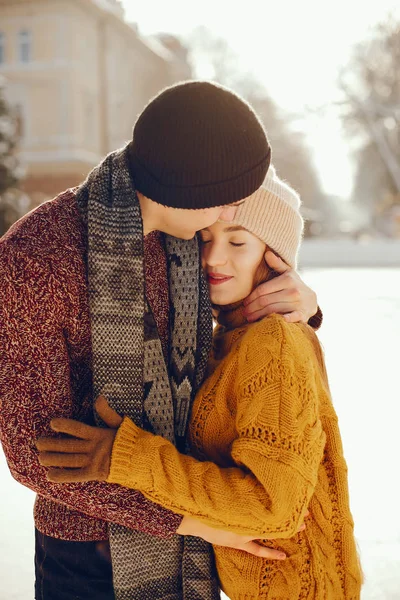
x,y
2,48
25,46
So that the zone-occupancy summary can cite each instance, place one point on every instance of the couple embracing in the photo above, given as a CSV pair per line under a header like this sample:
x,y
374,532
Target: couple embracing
x,y
185,460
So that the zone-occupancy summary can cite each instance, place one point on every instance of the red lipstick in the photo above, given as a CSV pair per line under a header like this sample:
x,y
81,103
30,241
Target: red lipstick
x,y
217,278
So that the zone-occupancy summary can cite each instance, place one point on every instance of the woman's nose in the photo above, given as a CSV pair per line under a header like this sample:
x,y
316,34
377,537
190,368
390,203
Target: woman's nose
x,y
214,255
215,261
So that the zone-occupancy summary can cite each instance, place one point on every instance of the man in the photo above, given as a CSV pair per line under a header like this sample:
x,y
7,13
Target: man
x,y
102,290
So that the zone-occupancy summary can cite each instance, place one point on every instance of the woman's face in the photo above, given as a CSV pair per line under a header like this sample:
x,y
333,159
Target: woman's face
x,y
230,258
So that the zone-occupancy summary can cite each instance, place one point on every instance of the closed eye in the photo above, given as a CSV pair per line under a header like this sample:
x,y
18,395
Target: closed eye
x,y
237,245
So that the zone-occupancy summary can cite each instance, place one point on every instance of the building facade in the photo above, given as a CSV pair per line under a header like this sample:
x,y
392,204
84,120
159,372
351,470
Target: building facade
x,y
78,75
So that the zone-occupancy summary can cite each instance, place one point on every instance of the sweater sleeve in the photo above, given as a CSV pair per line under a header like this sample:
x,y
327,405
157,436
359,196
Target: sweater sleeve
x,y
277,452
35,386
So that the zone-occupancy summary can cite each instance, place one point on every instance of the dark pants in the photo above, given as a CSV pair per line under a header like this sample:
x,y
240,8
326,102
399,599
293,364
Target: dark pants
x,y
72,570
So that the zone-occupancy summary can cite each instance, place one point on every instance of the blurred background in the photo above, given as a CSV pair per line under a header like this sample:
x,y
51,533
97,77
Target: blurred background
x,y
325,80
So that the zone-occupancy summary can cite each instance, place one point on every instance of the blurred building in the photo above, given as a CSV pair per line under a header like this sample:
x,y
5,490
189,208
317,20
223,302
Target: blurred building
x,y
78,74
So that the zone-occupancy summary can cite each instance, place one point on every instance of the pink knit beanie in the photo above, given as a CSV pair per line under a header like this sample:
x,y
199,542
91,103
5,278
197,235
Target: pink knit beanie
x,y
272,214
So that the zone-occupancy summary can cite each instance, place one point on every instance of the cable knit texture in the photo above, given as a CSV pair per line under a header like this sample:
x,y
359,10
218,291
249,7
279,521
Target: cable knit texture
x,y
266,447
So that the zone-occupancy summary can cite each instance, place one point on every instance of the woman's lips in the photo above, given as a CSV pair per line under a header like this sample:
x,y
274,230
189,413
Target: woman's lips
x,y
215,279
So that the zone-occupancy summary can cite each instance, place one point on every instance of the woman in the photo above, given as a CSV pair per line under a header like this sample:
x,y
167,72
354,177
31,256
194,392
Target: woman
x,y
263,432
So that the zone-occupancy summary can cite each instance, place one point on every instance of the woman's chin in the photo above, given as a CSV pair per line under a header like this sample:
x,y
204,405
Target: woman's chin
x,y
224,299
218,300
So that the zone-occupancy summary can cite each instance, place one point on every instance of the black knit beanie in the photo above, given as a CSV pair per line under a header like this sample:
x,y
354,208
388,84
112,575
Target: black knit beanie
x,y
197,145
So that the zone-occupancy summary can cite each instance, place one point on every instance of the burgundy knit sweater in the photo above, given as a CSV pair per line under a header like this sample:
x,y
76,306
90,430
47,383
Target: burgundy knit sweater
x,y
45,367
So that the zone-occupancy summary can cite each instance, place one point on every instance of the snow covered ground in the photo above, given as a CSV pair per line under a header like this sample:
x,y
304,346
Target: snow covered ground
x,y
317,253
361,336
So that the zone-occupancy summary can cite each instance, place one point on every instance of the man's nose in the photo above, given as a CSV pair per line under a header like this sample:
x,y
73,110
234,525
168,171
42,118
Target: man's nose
x,y
228,213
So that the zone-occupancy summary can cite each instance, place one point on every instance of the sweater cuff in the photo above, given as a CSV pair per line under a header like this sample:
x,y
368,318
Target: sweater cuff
x,y
131,465
316,320
124,468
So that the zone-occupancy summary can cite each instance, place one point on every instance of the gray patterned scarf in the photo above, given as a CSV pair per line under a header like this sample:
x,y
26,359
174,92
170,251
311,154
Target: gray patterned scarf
x,y
129,367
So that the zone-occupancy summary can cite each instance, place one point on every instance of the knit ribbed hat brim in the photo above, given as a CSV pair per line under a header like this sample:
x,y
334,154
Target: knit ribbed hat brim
x,y
206,195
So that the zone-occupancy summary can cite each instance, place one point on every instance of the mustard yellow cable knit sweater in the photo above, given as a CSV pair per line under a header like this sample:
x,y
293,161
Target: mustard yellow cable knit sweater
x,y
267,446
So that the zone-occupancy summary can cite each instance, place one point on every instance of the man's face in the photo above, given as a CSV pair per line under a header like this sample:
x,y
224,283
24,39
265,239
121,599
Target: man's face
x,y
184,223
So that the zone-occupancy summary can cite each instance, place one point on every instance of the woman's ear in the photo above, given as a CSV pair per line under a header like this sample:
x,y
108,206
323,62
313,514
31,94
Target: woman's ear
x,y
264,272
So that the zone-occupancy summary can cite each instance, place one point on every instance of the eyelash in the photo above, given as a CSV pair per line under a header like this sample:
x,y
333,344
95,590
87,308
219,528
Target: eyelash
x,y
231,243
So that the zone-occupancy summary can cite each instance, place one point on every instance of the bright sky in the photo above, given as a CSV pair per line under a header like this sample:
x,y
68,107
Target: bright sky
x,y
294,46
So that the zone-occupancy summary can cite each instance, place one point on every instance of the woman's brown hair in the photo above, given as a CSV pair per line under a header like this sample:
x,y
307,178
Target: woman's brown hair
x,y
264,272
